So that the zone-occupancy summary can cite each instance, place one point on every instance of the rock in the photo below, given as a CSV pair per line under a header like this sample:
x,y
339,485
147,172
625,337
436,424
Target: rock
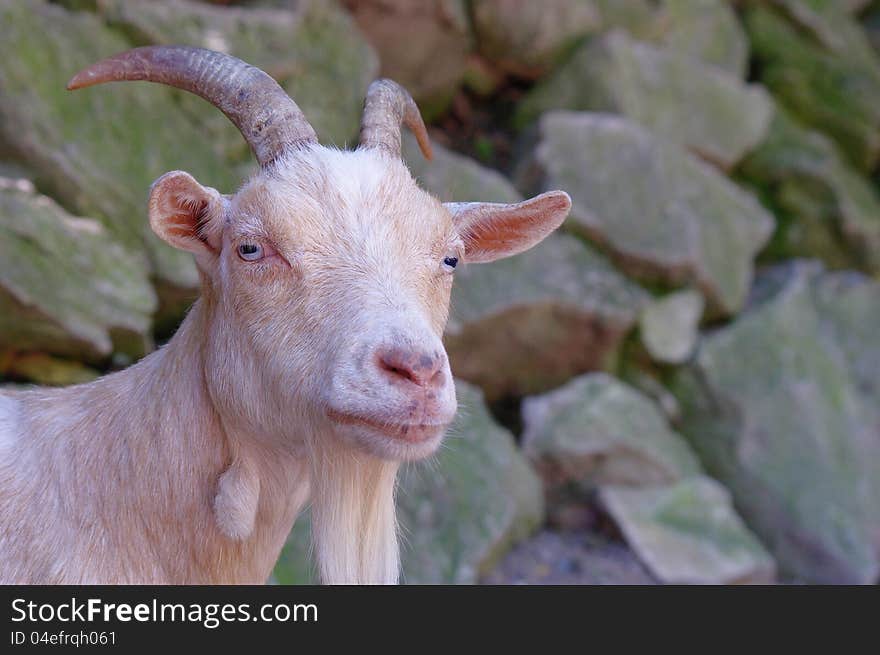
x,y
460,511
47,370
664,215
422,45
707,30
782,406
831,24
825,208
836,94
528,323
703,108
643,19
554,558
598,430
312,48
669,326
528,38
689,533
66,287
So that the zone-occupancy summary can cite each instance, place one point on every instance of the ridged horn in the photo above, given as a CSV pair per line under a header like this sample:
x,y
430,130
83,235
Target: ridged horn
x,y
388,106
265,115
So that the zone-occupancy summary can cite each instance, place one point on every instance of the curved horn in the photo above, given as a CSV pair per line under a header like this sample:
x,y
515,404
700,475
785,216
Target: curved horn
x,y
387,106
264,114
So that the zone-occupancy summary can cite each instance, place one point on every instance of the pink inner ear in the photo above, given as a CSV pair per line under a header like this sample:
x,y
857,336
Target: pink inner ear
x,y
492,231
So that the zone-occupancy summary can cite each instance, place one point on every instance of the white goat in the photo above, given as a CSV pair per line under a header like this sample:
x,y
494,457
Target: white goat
x,y
311,365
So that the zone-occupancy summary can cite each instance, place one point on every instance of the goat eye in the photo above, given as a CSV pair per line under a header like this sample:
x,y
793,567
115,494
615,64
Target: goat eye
x,y
250,252
450,262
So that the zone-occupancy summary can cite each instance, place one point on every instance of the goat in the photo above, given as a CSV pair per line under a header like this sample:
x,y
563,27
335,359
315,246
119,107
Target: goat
x,y
309,368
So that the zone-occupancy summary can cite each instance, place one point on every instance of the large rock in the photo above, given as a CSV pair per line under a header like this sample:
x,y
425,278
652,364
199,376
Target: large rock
x,y
701,107
460,511
312,48
707,30
66,286
782,406
689,533
98,150
837,94
597,430
527,38
422,44
528,323
664,214
825,208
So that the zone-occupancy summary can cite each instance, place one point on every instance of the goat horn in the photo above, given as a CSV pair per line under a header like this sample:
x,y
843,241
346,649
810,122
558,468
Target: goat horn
x,y
265,115
387,106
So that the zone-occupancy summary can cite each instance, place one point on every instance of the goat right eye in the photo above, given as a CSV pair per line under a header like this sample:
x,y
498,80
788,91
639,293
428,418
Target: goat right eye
x,y
250,252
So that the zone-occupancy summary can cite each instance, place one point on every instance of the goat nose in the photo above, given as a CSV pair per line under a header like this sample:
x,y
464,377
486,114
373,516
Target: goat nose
x,y
421,368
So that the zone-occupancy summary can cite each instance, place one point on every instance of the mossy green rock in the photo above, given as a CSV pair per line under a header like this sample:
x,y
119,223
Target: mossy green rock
x,y
598,430
707,30
664,214
313,49
460,511
66,287
837,94
826,208
701,107
527,323
689,533
782,406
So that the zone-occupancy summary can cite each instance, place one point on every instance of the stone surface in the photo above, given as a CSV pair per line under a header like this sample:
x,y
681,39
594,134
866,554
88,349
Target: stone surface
x,y
825,208
422,44
562,558
663,214
704,108
836,94
598,430
460,511
527,38
689,533
66,286
311,47
782,406
707,30
530,322
669,326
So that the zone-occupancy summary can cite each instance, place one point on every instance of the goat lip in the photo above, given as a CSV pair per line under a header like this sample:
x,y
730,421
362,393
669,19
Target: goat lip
x,y
408,432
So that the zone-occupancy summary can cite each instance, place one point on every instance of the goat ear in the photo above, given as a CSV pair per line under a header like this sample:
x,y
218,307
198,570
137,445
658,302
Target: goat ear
x,y
492,231
185,214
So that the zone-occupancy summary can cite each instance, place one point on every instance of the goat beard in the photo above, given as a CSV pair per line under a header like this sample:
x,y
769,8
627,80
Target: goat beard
x,y
354,523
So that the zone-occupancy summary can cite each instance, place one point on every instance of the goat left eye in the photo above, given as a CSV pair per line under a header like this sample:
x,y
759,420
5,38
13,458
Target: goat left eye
x,y
450,262
250,252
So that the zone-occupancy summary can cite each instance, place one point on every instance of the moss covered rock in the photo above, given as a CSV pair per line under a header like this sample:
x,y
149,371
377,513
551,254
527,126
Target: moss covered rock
x,y
703,108
782,406
836,94
664,214
689,533
826,208
66,286
598,430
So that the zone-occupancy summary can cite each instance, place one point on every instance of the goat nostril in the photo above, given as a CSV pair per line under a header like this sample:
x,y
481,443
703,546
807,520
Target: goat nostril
x,y
414,367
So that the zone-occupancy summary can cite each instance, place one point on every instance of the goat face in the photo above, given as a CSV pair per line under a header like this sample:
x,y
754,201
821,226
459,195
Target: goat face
x,y
328,275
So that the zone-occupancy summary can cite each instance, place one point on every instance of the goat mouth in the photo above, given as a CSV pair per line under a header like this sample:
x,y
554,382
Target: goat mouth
x,y
408,432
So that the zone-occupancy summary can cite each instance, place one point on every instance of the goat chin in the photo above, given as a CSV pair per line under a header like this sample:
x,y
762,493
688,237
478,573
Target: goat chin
x,y
354,526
